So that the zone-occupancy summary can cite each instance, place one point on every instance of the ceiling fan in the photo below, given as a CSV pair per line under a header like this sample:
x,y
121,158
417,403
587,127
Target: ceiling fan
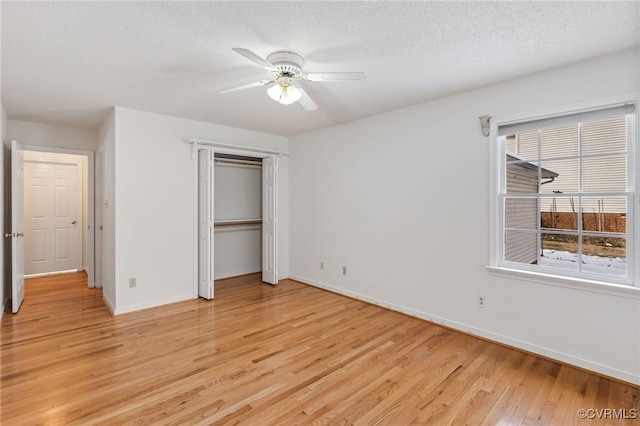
x,y
287,72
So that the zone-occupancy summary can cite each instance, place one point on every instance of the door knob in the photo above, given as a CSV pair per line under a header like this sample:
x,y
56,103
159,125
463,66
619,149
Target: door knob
x,y
100,227
8,235
73,222
20,234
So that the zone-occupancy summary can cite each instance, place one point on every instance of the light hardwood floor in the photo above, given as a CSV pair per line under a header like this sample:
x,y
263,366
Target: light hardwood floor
x,y
262,355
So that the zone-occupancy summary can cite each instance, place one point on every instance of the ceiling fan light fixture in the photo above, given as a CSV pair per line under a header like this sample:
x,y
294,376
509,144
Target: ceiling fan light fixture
x,y
284,93
286,68
275,92
290,95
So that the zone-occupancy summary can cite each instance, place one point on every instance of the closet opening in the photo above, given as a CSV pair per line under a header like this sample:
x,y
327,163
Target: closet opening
x,y
237,216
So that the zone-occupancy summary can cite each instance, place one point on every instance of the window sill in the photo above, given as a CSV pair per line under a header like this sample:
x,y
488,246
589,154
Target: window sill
x,y
618,290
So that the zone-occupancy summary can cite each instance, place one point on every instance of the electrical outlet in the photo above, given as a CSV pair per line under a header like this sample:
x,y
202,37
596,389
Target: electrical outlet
x,y
344,270
132,282
482,301
321,265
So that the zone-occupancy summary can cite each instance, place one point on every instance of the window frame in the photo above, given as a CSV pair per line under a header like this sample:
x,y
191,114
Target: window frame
x,y
628,286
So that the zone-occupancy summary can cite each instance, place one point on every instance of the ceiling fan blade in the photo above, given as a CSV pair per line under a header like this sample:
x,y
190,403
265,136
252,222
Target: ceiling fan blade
x,y
247,86
306,102
254,58
333,76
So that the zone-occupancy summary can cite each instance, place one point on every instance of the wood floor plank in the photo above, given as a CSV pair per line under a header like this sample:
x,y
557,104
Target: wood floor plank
x,y
261,355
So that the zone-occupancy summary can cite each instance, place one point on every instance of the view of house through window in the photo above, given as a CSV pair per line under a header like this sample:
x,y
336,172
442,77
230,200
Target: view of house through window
x,y
565,197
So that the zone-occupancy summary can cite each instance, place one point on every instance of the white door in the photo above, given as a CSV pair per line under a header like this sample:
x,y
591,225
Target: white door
x,y
269,220
205,224
17,226
99,214
53,216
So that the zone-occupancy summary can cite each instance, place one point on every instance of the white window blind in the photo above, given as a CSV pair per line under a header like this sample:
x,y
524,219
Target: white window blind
x,y
560,120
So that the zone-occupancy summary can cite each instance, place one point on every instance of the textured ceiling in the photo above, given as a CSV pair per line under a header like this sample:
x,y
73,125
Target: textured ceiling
x,y
67,63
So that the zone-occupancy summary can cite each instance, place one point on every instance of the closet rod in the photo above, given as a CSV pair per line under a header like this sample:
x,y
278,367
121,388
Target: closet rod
x,y
239,162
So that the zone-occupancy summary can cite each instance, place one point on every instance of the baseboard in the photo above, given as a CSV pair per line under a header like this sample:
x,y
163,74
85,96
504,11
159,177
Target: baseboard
x,y
601,369
46,274
108,303
153,303
236,276
247,274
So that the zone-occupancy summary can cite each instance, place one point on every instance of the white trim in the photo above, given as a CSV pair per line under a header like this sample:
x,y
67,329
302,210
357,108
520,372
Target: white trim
x,y
633,156
626,376
46,274
593,286
152,303
90,201
222,145
196,221
108,303
496,168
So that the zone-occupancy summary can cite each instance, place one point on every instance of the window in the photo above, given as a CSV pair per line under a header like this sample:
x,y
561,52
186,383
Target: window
x,y
566,195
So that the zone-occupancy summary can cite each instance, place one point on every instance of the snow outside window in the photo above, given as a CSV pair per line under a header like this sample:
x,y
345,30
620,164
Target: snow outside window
x,y
566,198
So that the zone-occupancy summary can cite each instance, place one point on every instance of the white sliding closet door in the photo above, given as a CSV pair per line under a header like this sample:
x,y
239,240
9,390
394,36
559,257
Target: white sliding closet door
x,y
269,220
17,226
205,224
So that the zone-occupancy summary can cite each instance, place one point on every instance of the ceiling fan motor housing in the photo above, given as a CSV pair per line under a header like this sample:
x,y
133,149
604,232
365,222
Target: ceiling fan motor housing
x,y
287,63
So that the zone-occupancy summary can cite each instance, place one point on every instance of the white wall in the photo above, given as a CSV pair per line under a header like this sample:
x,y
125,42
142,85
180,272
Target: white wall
x,y
48,135
154,204
389,197
237,251
237,196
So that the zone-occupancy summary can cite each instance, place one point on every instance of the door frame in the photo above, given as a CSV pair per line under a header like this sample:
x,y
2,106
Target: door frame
x,y
90,200
222,149
98,204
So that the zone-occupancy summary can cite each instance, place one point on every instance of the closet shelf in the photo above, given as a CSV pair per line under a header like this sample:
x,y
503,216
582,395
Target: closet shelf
x,y
239,222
